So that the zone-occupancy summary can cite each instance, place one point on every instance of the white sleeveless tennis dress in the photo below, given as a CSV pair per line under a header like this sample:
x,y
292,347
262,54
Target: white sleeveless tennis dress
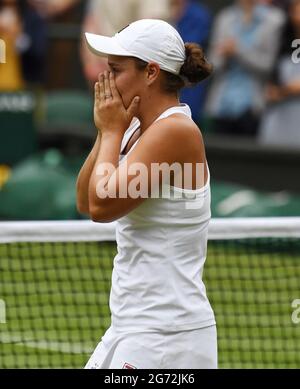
x,y
161,317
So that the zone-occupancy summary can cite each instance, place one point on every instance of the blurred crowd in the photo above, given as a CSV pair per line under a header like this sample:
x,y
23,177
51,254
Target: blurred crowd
x,y
255,87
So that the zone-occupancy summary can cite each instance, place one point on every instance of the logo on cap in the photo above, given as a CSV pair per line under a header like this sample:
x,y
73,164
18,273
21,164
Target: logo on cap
x,y
123,28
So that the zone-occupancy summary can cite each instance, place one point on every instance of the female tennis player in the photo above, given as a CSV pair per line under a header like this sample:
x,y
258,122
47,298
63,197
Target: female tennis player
x,y
161,317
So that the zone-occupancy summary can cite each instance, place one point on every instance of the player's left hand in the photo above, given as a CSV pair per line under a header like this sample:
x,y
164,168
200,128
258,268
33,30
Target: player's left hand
x,y
110,114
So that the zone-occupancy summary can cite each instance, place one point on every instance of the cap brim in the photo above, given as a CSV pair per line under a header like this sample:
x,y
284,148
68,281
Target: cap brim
x,y
104,46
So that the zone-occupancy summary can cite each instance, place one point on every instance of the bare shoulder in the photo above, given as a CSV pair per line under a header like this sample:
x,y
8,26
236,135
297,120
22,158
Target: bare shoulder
x,y
177,126
179,134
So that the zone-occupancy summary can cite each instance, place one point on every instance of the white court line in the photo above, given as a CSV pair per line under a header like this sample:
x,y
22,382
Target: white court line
x,y
63,347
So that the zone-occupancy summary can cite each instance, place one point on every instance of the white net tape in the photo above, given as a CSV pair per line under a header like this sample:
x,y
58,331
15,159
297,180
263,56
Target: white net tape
x,y
87,231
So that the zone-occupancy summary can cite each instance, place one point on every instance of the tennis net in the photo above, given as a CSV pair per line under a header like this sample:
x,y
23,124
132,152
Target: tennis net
x,y
55,282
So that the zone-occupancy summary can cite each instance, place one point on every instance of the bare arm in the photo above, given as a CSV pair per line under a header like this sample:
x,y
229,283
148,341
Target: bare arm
x,y
108,201
291,89
158,145
275,93
84,178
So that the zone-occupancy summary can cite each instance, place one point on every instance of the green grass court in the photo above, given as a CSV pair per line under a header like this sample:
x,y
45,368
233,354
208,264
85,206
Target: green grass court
x,y
56,299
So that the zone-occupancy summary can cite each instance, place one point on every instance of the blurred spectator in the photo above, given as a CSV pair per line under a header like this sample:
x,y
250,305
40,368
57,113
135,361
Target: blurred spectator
x,y
193,21
52,8
106,17
280,124
278,3
24,33
244,47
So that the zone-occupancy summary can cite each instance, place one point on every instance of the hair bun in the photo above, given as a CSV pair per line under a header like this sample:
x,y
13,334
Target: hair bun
x,y
196,68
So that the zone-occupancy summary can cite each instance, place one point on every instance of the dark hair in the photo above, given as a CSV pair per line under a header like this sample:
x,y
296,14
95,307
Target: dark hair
x,y
195,69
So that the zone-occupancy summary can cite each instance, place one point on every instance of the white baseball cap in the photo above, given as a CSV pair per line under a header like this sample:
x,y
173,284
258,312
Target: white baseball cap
x,y
151,40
